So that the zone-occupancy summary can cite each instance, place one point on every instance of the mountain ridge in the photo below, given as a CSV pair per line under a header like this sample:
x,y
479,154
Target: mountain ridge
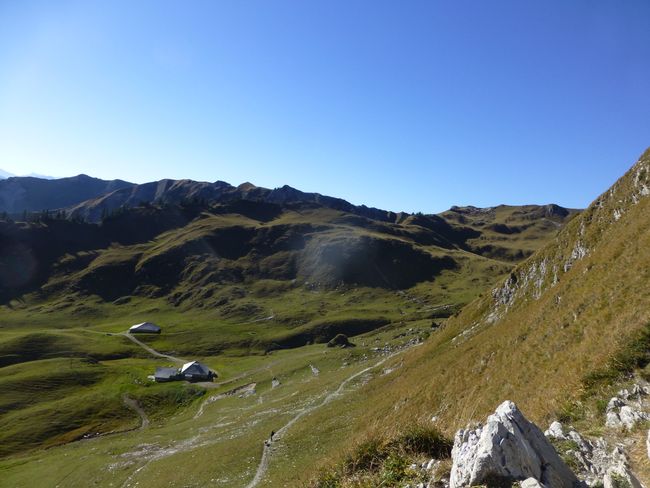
x,y
91,199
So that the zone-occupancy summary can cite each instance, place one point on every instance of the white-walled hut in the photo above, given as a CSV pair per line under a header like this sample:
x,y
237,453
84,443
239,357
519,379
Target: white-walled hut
x,y
195,371
144,328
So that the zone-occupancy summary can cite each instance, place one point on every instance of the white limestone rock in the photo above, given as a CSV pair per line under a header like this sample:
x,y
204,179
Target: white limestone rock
x,y
620,472
508,447
555,431
637,392
614,403
531,483
613,420
621,415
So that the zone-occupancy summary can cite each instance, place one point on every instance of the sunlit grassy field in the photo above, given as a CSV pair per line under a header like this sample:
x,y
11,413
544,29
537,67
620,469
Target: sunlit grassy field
x,y
223,444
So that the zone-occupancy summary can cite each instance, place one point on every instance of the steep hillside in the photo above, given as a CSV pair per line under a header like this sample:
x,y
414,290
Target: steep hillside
x,y
565,328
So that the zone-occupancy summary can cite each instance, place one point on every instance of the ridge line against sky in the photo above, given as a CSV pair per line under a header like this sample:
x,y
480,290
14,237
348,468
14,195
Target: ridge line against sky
x,y
449,206
412,107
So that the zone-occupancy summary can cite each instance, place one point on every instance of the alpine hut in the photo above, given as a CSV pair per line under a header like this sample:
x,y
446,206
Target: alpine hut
x,y
144,328
195,371
162,375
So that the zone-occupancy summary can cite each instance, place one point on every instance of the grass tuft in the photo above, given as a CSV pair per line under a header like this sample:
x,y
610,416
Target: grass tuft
x,y
381,461
634,354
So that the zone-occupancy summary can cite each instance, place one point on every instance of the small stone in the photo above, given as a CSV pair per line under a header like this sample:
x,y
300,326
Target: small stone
x,y
555,431
583,445
637,391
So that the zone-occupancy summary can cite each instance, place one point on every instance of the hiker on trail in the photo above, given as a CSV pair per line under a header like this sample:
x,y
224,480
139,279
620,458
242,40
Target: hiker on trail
x,y
272,434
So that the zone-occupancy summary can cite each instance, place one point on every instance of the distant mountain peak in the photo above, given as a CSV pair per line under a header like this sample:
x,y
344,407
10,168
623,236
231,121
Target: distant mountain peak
x,y
246,186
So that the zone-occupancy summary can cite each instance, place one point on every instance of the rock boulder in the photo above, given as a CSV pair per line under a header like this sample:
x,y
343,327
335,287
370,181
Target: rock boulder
x,y
507,448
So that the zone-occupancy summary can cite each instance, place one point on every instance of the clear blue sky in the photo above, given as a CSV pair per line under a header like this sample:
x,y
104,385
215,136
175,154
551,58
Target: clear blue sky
x,y
414,105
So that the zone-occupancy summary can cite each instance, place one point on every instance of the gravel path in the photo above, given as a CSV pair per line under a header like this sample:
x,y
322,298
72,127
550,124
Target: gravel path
x,y
152,351
134,405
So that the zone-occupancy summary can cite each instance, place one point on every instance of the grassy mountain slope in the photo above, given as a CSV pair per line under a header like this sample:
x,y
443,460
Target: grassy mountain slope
x,y
562,327
229,283
506,232
149,250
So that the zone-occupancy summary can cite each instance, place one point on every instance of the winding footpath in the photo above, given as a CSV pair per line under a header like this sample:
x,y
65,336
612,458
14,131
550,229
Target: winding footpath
x,y
151,350
263,466
135,406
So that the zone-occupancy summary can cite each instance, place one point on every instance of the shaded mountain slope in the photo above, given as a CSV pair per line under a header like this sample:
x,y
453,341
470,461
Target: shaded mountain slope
x,y
214,249
26,193
188,250
178,191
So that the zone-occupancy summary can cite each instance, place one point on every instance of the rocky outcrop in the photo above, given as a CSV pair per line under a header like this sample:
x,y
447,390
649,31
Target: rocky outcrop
x,y
591,459
626,409
507,448
619,474
596,461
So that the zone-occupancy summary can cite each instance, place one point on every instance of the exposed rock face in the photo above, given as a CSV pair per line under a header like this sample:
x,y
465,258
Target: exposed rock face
x,y
507,448
545,270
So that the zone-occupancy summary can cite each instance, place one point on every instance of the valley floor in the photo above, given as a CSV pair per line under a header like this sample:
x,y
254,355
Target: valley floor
x,y
223,437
